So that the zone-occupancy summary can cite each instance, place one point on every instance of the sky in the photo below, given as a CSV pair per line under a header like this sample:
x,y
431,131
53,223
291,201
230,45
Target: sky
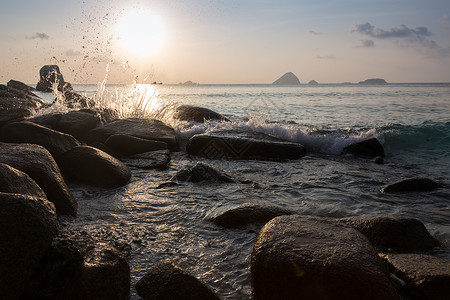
x,y
226,41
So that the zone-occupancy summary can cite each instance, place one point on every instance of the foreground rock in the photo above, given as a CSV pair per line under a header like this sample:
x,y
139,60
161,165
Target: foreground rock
x,y
27,132
122,144
298,257
37,163
391,233
249,213
197,114
149,160
411,185
201,172
19,86
27,227
228,147
16,182
9,92
92,166
77,123
370,148
425,276
141,128
49,77
167,281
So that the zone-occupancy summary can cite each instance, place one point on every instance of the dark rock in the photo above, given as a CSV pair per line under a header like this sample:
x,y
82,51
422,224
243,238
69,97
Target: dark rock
x,y
197,114
18,85
77,123
400,234
149,160
27,228
141,128
27,132
297,257
425,276
16,182
378,160
9,92
105,275
201,172
74,100
313,82
167,281
37,163
411,185
249,213
287,79
374,81
370,148
13,115
51,75
50,120
225,147
122,144
89,165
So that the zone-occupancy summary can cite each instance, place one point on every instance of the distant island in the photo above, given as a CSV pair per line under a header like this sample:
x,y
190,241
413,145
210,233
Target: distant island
x,y
188,83
287,79
374,81
313,82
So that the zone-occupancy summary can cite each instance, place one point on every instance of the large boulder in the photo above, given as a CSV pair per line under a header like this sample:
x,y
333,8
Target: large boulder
x,y
77,123
13,115
370,148
18,85
50,76
424,276
27,228
92,166
197,114
37,163
201,172
122,144
167,281
400,234
141,128
229,147
11,92
149,160
411,185
249,213
49,120
297,257
27,132
17,182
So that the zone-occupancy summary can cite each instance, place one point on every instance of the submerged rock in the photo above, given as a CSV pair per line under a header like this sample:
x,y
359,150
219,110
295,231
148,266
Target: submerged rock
x,y
201,172
197,114
122,144
51,75
27,228
297,257
167,281
228,147
411,185
17,182
371,148
400,234
37,163
149,160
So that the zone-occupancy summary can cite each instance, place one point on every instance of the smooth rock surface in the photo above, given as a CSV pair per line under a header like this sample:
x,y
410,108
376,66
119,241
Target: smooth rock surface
x,y
370,148
411,185
197,114
149,160
122,144
14,181
77,123
202,172
18,85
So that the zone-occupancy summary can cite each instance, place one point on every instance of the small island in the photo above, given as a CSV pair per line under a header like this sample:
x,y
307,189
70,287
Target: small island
x,y
373,81
287,79
313,82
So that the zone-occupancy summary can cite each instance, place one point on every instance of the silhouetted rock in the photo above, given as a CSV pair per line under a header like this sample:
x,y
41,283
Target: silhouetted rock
x,y
287,79
400,234
122,144
249,213
18,85
13,115
297,257
228,147
74,100
17,182
313,82
425,277
197,114
27,228
37,163
201,172
51,75
77,123
27,132
10,92
167,281
92,166
369,148
141,128
149,160
374,81
411,185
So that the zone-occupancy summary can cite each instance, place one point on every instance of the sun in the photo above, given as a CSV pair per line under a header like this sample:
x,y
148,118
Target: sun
x,y
141,32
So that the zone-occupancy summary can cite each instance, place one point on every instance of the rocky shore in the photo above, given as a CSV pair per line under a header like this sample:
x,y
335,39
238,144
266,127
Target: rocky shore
x,y
294,256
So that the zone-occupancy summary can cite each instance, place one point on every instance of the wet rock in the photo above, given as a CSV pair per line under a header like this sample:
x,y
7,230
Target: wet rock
x,y
378,160
122,144
168,281
27,227
141,128
370,148
149,160
37,163
18,85
249,213
50,120
16,182
197,114
425,276
74,100
92,166
51,75
411,185
77,123
227,147
400,234
19,94
27,132
297,257
201,172
13,115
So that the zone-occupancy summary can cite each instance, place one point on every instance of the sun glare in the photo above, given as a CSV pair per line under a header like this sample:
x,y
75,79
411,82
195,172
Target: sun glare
x,y
141,33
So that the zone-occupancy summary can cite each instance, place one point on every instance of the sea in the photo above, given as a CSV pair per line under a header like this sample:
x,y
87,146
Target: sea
x,y
412,121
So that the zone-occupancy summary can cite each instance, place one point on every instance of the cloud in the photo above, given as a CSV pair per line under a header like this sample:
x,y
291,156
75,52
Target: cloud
x,y
71,52
39,36
366,44
400,31
445,19
325,57
314,32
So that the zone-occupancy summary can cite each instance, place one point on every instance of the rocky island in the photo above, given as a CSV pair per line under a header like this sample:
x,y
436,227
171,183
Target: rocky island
x,y
287,79
373,81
